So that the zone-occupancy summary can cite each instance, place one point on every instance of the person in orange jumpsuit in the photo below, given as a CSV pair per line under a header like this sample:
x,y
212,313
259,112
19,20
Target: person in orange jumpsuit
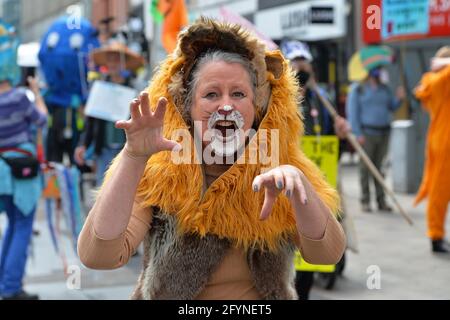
x,y
434,93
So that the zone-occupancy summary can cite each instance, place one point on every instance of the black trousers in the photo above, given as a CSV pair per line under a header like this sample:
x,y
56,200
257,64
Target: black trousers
x,y
304,281
58,142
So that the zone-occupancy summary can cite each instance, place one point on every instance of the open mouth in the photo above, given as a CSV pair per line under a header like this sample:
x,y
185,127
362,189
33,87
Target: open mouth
x,y
226,135
226,128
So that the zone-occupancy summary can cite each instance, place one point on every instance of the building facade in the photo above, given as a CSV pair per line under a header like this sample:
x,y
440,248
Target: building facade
x,y
33,17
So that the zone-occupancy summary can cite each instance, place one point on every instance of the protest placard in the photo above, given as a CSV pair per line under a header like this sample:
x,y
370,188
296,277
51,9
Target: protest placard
x,y
109,101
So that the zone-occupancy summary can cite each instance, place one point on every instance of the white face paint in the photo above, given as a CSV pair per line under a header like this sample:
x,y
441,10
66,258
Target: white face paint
x,y
223,88
225,130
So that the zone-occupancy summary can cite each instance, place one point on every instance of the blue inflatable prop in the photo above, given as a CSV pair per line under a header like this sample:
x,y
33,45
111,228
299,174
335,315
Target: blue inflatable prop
x,y
64,55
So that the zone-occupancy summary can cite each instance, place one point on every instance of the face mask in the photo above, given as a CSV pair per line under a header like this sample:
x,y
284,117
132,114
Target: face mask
x,y
375,73
303,77
384,76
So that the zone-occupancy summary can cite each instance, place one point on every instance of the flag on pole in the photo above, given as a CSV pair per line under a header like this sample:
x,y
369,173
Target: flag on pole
x,y
155,12
172,14
148,19
229,16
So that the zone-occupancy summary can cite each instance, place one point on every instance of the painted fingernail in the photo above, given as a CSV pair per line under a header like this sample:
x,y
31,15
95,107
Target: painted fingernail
x,y
288,193
255,188
305,202
280,185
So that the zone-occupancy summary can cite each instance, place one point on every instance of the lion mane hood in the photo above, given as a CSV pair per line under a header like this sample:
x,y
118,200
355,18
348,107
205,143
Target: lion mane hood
x,y
229,208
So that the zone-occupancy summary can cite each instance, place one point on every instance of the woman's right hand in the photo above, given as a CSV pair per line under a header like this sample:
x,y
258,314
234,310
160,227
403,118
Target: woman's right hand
x,y
341,127
361,140
34,85
144,130
80,151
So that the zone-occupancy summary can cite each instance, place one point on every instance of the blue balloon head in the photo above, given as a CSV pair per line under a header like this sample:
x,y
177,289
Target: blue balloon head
x,y
64,56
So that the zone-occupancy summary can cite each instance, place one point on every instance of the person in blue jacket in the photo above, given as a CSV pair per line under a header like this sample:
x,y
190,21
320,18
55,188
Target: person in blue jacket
x,y
370,105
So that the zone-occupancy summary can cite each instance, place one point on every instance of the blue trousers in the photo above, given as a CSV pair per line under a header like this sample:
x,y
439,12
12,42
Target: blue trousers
x,y
14,251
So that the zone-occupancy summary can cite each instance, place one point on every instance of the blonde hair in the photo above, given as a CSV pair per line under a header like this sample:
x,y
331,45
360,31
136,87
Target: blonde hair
x,y
443,52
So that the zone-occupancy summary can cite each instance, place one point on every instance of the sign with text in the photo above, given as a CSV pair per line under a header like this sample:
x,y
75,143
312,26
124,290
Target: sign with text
x,y
323,151
306,20
109,101
301,265
390,20
402,17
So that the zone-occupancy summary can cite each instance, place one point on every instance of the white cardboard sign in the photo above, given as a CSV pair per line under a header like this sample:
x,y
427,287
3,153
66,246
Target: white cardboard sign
x,y
109,101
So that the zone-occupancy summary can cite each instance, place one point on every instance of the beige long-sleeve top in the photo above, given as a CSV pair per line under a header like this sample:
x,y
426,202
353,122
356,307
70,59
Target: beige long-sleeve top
x,y
231,279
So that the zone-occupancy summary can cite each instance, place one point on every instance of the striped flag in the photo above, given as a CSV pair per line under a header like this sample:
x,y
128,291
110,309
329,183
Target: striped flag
x,y
172,14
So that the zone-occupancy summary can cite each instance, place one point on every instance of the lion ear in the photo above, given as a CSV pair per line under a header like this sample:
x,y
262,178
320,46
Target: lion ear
x,y
275,63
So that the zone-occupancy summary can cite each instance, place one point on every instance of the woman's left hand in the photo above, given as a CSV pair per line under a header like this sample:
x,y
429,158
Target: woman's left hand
x,y
34,85
285,178
341,127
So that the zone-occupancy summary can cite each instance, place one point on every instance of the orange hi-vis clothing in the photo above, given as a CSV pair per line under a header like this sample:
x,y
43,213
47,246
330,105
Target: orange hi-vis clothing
x,y
434,93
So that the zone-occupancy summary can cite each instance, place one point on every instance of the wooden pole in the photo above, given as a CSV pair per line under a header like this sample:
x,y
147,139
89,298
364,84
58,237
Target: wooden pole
x,y
352,139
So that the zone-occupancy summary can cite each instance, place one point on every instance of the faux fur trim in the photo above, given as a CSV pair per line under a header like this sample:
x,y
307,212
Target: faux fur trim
x,y
208,34
229,208
179,267
274,285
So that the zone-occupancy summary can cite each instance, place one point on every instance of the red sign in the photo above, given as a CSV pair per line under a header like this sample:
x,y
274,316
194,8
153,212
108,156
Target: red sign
x,y
439,18
372,21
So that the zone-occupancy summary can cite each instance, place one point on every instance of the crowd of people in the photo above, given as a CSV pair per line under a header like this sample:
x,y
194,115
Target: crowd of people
x,y
37,126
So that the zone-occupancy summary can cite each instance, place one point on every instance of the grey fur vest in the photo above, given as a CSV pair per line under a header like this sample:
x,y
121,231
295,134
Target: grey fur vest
x,y
178,267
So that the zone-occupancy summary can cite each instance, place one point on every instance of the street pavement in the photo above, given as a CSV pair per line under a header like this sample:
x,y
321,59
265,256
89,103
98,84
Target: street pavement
x,y
388,246
45,273
394,259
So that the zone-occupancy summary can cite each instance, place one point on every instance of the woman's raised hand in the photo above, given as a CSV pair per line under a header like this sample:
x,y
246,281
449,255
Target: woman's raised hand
x,y
285,178
144,130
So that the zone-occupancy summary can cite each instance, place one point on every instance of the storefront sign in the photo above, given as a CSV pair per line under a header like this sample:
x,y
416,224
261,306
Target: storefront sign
x,y
390,20
308,20
402,17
